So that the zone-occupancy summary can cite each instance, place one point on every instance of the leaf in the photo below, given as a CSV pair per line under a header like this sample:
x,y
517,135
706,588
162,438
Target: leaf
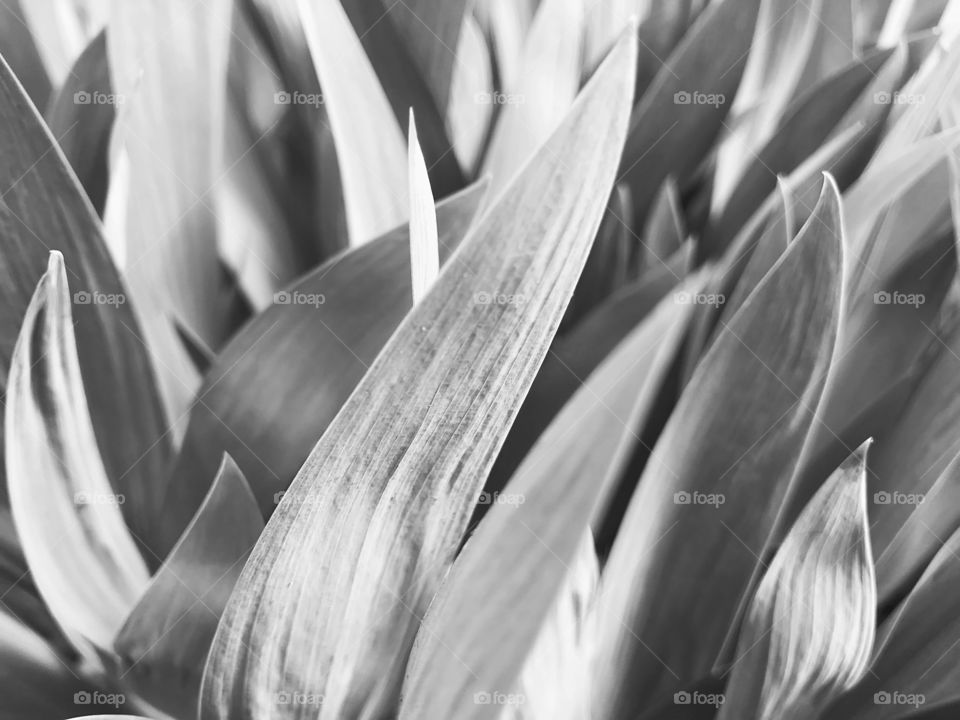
x,y
18,594
506,23
785,36
396,66
664,26
171,227
324,338
913,535
916,660
834,45
43,206
370,149
805,125
468,120
534,528
163,215
615,261
665,231
555,681
415,441
164,640
81,119
548,80
743,415
19,50
770,246
424,251
809,632
603,24
670,133
432,33
79,551
62,31
575,355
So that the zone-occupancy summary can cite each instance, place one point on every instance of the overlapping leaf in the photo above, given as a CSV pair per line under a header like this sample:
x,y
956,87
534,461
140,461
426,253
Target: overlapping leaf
x,y
809,632
68,519
742,419
482,626
324,332
373,519
44,208
163,642
370,148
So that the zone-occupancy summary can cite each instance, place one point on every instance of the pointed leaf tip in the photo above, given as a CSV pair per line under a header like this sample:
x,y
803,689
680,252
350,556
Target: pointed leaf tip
x,y
809,632
424,239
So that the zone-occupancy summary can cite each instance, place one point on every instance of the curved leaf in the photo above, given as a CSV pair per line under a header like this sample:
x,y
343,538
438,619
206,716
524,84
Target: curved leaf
x,y
712,487
484,622
548,80
324,332
809,631
680,115
164,641
370,148
377,512
44,208
82,122
79,551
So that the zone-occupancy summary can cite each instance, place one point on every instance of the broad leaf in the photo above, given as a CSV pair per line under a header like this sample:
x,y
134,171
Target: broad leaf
x,y
712,487
425,422
324,331
534,527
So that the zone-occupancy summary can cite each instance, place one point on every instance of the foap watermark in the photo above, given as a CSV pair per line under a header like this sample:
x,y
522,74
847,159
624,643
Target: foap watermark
x,y
302,501
95,498
897,498
295,297
82,97
885,697
99,699
498,98
884,297
698,698
686,97
687,298
898,98
289,697
498,698
282,97
486,298
82,297
695,497
499,498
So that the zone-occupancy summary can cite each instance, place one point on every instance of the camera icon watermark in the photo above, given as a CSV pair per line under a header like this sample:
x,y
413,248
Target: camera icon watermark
x,y
84,297
695,97
295,297
883,297
695,497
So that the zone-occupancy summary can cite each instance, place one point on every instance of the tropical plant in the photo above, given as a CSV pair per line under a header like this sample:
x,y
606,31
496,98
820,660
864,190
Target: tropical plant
x,y
625,386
